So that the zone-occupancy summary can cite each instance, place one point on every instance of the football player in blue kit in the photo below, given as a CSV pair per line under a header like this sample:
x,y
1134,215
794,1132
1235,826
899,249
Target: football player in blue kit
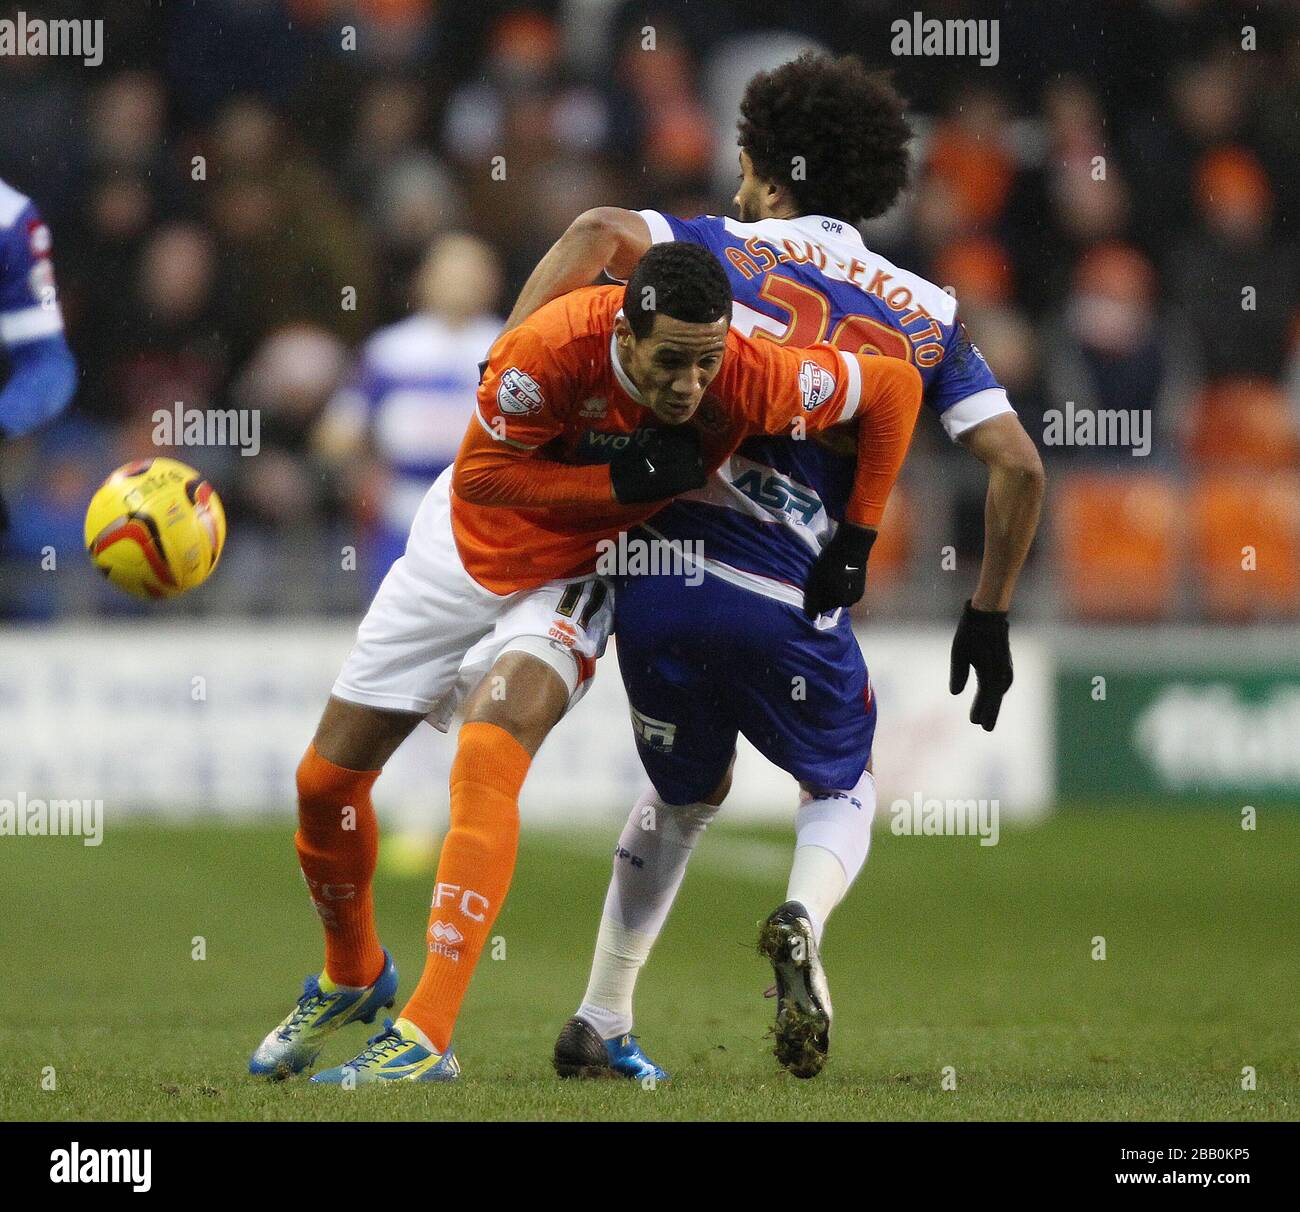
x,y
742,649
42,374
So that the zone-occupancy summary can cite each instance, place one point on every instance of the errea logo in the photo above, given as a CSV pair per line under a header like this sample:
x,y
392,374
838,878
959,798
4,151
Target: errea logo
x,y
816,385
518,393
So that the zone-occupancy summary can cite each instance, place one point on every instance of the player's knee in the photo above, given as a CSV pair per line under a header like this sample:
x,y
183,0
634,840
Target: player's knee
x,y
315,781
527,723
360,739
524,695
690,820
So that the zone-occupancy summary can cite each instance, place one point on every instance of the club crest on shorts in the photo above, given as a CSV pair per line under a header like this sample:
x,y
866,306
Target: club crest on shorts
x,y
518,393
816,385
659,735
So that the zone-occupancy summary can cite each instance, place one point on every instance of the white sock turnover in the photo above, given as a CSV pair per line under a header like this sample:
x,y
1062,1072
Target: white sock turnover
x,y
649,865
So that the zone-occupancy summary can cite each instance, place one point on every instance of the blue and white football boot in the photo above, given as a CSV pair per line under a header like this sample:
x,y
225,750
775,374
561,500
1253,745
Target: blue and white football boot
x,y
580,1052
399,1053
322,1009
803,1006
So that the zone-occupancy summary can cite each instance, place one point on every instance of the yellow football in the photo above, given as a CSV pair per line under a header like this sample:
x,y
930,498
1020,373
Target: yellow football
x,y
155,528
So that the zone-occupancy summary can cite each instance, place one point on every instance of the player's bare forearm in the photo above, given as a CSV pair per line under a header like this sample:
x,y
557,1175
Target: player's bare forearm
x,y
603,239
1012,506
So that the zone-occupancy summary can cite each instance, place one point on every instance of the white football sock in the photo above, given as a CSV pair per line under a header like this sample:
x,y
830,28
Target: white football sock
x,y
832,838
649,864
620,955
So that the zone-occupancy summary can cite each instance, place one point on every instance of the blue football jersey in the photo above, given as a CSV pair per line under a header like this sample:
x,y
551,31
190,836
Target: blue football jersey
x,y
413,391
766,513
29,309
41,374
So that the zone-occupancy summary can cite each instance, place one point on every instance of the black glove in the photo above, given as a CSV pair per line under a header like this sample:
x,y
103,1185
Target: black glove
x,y
982,642
657,464
839,577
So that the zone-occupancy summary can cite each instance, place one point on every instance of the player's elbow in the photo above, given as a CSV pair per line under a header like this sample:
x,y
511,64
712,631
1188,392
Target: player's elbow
x,y
593,224
619,236
1020,461
599,225
469,483
482,480
41,385
911,378
1034,471
903,386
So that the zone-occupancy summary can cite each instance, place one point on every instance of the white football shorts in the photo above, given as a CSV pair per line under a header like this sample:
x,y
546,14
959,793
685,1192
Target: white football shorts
x,y
432,632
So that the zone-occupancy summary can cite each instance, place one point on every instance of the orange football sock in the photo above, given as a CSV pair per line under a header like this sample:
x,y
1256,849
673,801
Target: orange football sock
x,y
338,846
474,872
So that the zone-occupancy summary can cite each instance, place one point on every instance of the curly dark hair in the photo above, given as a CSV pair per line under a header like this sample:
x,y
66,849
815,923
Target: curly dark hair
x,y
848,125
687,281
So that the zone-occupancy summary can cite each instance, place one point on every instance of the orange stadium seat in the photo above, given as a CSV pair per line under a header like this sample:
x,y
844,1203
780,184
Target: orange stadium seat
x,y
1244,424
1117,545
1242,519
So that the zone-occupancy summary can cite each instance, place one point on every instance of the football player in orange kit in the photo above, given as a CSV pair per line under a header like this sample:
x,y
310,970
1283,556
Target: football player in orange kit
x,y
592,413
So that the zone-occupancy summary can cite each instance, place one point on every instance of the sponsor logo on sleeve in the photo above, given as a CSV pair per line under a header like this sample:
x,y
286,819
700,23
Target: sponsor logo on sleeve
x,y
518,394
816,385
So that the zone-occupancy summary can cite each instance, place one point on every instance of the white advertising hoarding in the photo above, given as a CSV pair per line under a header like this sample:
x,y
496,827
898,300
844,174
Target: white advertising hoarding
x,y
199,720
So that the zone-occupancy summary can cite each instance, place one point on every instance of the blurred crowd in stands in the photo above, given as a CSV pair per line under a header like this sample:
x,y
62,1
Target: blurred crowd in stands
x,y
322,210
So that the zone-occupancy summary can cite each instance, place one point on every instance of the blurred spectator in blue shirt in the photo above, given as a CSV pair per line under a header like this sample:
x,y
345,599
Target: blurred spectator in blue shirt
x,y
412,394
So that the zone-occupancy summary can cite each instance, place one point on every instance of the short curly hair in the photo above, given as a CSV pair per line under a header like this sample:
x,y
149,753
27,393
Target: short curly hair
x,y
678,279
846,123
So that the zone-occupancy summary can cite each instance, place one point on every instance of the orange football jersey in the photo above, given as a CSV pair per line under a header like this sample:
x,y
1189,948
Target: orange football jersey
x,y
531,490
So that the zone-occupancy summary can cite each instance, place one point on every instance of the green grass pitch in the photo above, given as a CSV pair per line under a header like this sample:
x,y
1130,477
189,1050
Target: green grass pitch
x,y
946,954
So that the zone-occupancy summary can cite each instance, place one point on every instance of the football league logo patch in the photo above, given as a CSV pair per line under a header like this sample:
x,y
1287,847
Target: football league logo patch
x,y
816,385
518,394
